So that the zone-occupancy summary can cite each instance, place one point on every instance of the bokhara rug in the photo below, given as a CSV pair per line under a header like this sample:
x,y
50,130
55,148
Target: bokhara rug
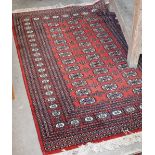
x,y
79,85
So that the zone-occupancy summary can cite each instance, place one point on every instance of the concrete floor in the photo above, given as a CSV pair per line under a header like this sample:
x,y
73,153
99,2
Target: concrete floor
x,y
21,4
25,140
126,8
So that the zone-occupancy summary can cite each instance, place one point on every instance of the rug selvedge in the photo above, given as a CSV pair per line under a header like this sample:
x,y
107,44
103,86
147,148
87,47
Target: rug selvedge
x,y
80,85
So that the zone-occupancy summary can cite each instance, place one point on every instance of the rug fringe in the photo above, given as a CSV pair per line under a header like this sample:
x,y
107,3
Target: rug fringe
x,y
109,145
60,5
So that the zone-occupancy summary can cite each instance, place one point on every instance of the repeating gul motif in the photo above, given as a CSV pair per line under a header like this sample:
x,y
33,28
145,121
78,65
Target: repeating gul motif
x,y
72,81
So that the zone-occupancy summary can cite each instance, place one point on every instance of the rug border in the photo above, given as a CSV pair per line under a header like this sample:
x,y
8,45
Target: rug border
x,y
34,116
26,87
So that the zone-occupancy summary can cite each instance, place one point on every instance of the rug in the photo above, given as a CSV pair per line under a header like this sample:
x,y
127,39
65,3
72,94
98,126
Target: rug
x,y
80,88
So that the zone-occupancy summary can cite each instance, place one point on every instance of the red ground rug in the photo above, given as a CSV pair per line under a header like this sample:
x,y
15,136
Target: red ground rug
x,y
79,85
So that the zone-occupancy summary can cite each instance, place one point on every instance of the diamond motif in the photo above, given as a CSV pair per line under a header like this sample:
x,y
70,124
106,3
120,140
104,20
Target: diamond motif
x,y
137,90
89,50
130,109
55,17
110,46
46,17
128,74
33,45
72,68
98,29
104,78
123,66
41,70
60,41
53,106
28,27
56,113
102,35
43,75
45,81
84,91
79,83
32,40
29,31
120,59
48,93
35,49
60,48
73,22
88,100
106,40
100,70
116,112
27,23
110,87
135,82
75,76
53,24
64,54
40,64
55,30
81,38
114,95
26,19
47,86
51,99
68,61
78,32
75,14
36,54
60,125
65,15
58,35
31,36
95,24
75,122
36,18
96,64
89,119
92,57
85,44
102,115
38,59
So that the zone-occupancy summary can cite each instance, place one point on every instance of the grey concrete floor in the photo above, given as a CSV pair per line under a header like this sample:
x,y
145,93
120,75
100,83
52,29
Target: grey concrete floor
x,y
21,4
25,140
126,8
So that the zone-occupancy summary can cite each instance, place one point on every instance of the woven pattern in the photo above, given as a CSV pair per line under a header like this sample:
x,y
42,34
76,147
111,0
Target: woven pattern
x,y
78,82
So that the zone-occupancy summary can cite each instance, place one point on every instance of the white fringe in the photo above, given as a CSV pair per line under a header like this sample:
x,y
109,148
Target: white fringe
x,y
59,5
110,145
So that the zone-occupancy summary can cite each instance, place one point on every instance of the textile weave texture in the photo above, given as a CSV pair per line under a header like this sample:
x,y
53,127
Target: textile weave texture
x,y
75,71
